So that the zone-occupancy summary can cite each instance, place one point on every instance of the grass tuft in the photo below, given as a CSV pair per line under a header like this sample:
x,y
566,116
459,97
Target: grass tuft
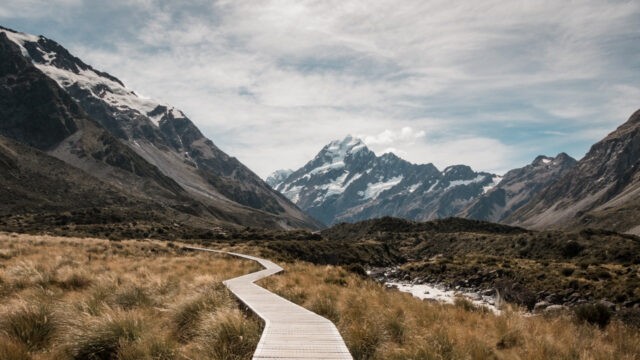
x,y
187,315
227,335
325,306
102,338
133,296
32,324
13,350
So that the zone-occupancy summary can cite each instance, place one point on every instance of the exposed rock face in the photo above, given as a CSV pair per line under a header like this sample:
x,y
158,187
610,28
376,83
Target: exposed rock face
x,y
54,102
602,190
518,187
348,182
274,180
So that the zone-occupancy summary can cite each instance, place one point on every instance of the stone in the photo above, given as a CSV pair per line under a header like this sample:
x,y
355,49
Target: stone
x,y
540,306
554,308
608,304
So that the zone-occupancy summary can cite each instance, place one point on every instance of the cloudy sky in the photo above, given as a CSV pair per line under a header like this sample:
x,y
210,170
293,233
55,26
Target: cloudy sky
x,y
489,83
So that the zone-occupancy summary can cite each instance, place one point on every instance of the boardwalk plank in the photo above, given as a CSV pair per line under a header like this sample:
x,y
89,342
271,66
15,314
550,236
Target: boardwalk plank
x,y
291,331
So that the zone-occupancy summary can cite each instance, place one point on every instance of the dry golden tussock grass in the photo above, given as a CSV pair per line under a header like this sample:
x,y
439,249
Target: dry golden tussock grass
x,y
377,323
65,298
70,298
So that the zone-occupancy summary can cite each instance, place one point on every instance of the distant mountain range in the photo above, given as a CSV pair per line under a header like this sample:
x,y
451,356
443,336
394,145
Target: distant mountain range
x,y
78,147
346,182
518,187
71,129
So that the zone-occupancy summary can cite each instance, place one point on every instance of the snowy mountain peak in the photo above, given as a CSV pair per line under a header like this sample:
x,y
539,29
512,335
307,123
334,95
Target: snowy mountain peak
x,y
348,182
542,160
77,77
560,159
339,149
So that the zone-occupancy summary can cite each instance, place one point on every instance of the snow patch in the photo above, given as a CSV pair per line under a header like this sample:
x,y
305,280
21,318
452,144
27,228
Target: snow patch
x,y
337,151
336,187
100,87
327,167
108,90
455,183
19,39
293,193
496,180
433,186
374,190
413,187
177,114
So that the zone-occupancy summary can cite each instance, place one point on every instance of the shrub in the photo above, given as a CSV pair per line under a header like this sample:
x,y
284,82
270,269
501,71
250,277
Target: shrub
x,y
357,269
630,317
514,292
31,324
572,249
567,271
596,314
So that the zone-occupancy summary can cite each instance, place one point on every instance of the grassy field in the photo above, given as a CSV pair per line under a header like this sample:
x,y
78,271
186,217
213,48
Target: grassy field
x,y
377,323
71,298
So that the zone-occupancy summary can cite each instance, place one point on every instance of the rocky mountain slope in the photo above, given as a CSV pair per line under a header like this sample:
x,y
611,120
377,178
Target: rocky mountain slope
x,y
54,102
347,182
518,187
602,190
276,178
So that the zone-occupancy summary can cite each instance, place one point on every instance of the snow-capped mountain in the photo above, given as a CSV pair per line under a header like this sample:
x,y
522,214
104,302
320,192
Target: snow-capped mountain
x,y
89,112
518,187
347,182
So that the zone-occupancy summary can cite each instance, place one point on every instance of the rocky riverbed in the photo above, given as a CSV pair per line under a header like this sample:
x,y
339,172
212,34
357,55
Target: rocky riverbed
x,y
490,297
436,292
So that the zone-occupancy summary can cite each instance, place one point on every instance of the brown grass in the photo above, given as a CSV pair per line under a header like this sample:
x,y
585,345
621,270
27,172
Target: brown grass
x,y
377,323
95,299
71,298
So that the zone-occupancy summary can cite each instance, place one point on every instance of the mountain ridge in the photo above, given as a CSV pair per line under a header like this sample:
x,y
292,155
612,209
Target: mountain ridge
x,y
88,119
518,187
602,190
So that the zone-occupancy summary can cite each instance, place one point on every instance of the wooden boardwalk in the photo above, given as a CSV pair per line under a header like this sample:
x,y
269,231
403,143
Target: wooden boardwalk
x,y
290,331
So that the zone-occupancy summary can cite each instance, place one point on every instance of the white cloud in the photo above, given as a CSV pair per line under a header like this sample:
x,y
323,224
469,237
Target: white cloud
x,y
478,152
404,135
272,81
